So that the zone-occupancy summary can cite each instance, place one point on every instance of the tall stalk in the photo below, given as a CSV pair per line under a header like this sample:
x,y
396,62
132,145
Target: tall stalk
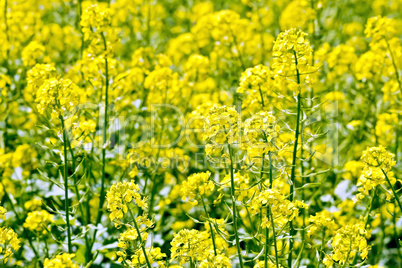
x,y
210,225
270,215
234,210
102,192
66,203
292,175
140,239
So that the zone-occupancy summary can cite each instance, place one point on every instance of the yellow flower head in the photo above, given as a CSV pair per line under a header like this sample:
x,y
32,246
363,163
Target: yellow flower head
x,y
3,212
257,87
94,20
9,243
196,186
281,208
190,244
218,261
380,27
120,195
61,261
349,241
37,221
221,125
378,157
293,54
59,95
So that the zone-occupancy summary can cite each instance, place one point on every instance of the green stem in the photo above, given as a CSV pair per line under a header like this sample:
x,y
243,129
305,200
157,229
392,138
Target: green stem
x,y
367,217
27,235
322,247
270,171
394,64
292,175
66,204
234,213
274,236
348,255
393,190
266,244
210,225
84,218
102,192
140,239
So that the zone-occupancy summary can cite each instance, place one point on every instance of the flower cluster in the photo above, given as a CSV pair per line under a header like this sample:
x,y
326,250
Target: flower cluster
x,y
61,261
377,164
321,222
120,196
380,27
190,245
9,243
61,96
196,186
38,221
293,52
258,88
221,125
271,203
347,243
3,212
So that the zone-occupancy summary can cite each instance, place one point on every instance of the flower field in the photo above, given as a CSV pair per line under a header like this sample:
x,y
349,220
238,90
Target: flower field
x,y
210,134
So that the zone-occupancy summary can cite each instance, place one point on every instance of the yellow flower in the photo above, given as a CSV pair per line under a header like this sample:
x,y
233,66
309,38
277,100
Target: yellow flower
x,y
120,195
297,14
380,27
61,261
261,264
221,125
164,86
281,208
61,96
37,221
293,54
353,169
258,88
378,157
196,186
349,241
9,243
32,53
190,244
154,255
3,212
377,161
33,204
36,77
218,261
243,191
322,220
95,19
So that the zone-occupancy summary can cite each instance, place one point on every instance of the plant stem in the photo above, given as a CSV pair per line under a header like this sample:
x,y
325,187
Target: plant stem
x,y
234,213
393,190
394,65
348,255
367,217
66,185
140,239
322,247
266,243
292,175
28,236
102,192
274,236
210,225
84,218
